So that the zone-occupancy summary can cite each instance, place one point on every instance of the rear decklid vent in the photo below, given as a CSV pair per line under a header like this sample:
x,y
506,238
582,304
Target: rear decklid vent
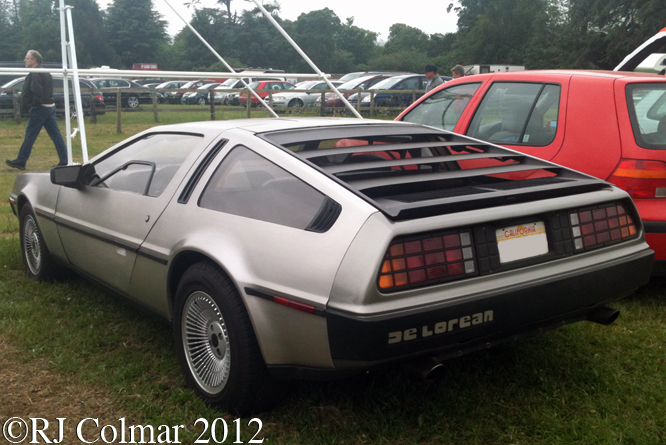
x,y
411,171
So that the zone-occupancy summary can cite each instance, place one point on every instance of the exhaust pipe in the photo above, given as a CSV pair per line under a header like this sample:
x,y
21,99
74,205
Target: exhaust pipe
x,y
603,315
425,368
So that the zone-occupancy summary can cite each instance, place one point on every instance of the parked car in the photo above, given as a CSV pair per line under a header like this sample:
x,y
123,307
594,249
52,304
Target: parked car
x,y
136,94
299,99
291,248
262,87
223,90
408,82
171,96
89,95
200,96
611,125
357,83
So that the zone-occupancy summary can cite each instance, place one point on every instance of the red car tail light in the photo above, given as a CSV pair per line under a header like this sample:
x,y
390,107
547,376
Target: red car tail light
x,y
601,226
100,98
427,259
641,178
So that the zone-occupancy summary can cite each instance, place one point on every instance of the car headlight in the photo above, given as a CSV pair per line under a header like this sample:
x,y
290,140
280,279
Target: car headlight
x,y
365,100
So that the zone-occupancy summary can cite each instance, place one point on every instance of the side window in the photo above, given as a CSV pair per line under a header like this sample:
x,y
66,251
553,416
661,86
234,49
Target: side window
x,y
517,114
409,84
248,185
443,109
147,165
647,110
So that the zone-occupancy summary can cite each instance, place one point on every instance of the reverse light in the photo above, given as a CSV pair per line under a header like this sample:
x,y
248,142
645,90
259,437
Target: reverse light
x,y
601,226
429,259
641,178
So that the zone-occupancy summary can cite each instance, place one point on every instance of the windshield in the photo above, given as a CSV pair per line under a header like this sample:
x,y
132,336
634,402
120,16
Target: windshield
x,y
350,76
647,109
444,108
306,84
386,84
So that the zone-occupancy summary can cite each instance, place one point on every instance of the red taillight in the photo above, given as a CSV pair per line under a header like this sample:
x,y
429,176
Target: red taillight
x,y
641,178
601,226
429,259
100,98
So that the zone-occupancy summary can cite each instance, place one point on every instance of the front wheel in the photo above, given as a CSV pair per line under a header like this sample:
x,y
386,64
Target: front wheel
x,y
216,345
132,101
201,101
36,257
296,105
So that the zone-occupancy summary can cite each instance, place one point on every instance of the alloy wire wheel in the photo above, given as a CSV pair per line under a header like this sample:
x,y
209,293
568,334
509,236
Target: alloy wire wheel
x,y
296,105
31,245
132,101
206,342
216,344
36,256
201,101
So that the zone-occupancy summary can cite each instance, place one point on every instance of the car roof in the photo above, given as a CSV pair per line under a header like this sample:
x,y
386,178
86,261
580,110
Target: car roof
x,y
589,73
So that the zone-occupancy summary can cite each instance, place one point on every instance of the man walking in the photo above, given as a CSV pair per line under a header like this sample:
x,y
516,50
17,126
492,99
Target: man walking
x,y
37,96
433,78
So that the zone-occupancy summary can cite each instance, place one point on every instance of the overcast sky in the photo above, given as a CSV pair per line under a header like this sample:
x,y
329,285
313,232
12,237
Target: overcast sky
x,y
378,16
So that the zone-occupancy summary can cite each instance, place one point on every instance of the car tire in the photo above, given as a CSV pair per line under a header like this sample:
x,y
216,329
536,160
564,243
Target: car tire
x,y
72,112
296,105
132,101
36,256
217,348
202,101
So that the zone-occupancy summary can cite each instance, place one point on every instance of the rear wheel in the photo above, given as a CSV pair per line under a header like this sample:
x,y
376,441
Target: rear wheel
x,y
36,257
216,344
296,105
132,101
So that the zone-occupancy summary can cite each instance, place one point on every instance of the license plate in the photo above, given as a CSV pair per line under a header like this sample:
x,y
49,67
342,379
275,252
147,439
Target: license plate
x,y
522,241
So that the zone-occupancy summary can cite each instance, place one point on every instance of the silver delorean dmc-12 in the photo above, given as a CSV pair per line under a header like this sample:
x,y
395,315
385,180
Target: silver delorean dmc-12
x,y
314,248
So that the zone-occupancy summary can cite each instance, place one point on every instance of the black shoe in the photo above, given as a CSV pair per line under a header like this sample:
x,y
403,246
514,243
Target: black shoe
x,y
60,164
14,164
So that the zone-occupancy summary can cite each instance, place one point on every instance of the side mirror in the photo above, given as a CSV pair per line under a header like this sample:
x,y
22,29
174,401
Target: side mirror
x,y
67,175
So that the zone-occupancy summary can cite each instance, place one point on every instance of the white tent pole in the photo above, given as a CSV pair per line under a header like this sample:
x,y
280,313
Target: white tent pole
x,y
77,87
254,93
65,83
306,58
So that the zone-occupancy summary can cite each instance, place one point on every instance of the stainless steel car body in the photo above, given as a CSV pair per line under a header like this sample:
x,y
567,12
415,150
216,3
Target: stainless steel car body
x,y
139,246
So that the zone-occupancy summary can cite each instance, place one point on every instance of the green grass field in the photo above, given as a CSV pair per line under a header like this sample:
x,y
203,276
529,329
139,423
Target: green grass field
x,y
582,384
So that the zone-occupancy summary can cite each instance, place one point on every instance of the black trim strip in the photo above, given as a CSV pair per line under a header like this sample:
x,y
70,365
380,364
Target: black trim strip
x,y
269,297
135,250
45,215
96,236
654,226
198,173
155,258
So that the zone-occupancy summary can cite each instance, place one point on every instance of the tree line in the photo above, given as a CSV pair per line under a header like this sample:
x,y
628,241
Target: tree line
x,y
579,34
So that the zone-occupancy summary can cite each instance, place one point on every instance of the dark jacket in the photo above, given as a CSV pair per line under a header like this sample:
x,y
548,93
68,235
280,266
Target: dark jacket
x,y
37,90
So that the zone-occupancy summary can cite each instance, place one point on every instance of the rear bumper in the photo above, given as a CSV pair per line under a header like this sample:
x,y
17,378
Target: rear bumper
x,y
455,328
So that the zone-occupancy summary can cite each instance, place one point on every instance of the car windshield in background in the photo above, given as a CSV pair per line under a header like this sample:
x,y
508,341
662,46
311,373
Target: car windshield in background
x,y
443,109
386,84
647,108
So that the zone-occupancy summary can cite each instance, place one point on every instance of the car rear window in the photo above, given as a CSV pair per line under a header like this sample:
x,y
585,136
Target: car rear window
x,y
248,185
647,109
443,109
517,113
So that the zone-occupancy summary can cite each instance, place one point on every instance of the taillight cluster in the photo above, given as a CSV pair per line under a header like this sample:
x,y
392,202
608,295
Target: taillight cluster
x,y
428,259
641,178
600,226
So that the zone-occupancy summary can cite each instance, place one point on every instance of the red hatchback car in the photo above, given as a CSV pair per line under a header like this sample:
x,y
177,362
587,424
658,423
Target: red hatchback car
x,y
276,86
608,124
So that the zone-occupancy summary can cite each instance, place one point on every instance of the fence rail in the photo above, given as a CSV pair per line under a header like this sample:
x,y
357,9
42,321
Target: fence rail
x,y
378,102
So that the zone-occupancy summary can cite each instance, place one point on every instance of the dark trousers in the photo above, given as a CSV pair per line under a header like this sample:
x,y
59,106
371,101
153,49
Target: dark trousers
x,y
42,117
